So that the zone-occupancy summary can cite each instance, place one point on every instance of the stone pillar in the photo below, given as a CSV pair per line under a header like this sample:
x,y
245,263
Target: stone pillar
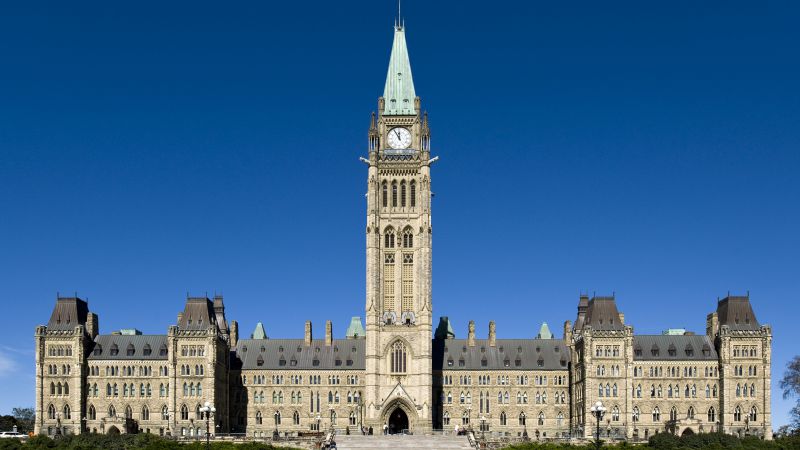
x,y
492,336
328,333
308,336
471,334
234,333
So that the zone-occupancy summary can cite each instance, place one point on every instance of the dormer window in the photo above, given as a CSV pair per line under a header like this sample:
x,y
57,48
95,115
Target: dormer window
x,y
147,350
98,350
131,350
114,350
260,361
450,362
461,363
315,362
162,351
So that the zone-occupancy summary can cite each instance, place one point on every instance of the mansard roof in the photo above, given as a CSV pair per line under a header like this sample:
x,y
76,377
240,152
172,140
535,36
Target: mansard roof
x,y
533,354
686,348
68,313
294,354
136,347
737,313
199,314
602,314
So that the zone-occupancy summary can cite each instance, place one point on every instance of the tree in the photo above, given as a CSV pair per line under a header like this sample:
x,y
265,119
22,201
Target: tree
x,y
791,388
25,418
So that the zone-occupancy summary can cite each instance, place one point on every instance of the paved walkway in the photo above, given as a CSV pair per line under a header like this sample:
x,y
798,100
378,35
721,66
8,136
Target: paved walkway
x,y
402,441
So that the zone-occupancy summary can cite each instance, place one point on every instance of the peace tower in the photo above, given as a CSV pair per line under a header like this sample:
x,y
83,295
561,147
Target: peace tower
x,y
398,239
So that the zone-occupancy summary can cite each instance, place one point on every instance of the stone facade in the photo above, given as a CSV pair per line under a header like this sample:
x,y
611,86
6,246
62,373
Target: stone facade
x,y
396,372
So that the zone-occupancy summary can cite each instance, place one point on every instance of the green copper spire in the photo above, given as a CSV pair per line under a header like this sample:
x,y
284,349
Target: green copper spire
x,y
259,332
544,332
399,91
355,330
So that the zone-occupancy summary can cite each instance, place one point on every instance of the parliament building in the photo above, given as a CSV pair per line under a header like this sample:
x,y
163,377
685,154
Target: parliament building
x,y
401,368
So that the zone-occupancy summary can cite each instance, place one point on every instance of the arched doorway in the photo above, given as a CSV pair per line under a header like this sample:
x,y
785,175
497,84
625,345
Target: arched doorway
x,y
398,421
687,432
113,430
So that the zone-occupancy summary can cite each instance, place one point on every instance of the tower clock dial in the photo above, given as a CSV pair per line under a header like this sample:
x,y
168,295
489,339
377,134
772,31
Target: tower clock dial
x,y
399,138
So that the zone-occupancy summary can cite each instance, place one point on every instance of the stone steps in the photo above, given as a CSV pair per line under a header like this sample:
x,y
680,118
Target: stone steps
x,y
402,441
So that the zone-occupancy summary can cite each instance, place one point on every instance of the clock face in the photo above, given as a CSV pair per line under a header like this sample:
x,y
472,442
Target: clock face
x,y
399,138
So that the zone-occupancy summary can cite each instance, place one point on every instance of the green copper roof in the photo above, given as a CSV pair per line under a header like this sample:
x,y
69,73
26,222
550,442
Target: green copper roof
x,y
259,332
399,91
355,329
544,332
444,330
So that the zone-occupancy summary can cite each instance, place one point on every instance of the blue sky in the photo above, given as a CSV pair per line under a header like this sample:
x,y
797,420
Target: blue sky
x,y
152,149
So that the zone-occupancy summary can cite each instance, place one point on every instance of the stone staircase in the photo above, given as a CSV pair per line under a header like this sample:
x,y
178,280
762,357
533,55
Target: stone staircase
x,y
400,441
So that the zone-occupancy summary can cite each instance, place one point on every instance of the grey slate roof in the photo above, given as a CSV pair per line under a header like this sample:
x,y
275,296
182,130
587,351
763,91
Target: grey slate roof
x,y
534,354
68,313
103,344
680,344
198,314
602,314
737,313
249,352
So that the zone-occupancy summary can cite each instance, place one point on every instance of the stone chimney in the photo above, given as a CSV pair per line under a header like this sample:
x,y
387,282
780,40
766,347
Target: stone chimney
x,y
492,336
622,318
328,333
308,336
712,325
180,318
471,334
92,325
568,331
234,333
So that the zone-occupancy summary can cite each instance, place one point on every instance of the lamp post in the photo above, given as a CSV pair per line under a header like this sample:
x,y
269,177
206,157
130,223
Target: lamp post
x,y
598,411
208,411
483,426
319,418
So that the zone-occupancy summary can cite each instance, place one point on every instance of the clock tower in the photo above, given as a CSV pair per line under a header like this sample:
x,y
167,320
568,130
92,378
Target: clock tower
x,y
398,237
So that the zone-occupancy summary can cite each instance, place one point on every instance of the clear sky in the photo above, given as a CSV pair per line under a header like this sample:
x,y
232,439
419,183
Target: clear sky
x,y
150,149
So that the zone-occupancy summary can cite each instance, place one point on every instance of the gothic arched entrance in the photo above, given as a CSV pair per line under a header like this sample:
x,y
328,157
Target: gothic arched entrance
x,y
398,421
687,432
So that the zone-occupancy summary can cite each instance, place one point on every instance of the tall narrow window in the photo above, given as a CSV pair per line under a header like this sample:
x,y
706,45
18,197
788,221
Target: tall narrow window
x,y
408,238
388,282
403,193
413,194
388,240
394,194
408,282
398,359
385,194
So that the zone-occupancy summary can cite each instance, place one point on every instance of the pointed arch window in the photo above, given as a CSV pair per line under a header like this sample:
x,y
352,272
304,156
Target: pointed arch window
x,y
388,240
394,194
636,414
145,413
51,412
408,238
673,414
184,412
540,419
92,414
164,413
753,414
385,194
296,418
112,412
656,414
522,419
403,193
737,414
398,359
712,415
690,413
413,193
